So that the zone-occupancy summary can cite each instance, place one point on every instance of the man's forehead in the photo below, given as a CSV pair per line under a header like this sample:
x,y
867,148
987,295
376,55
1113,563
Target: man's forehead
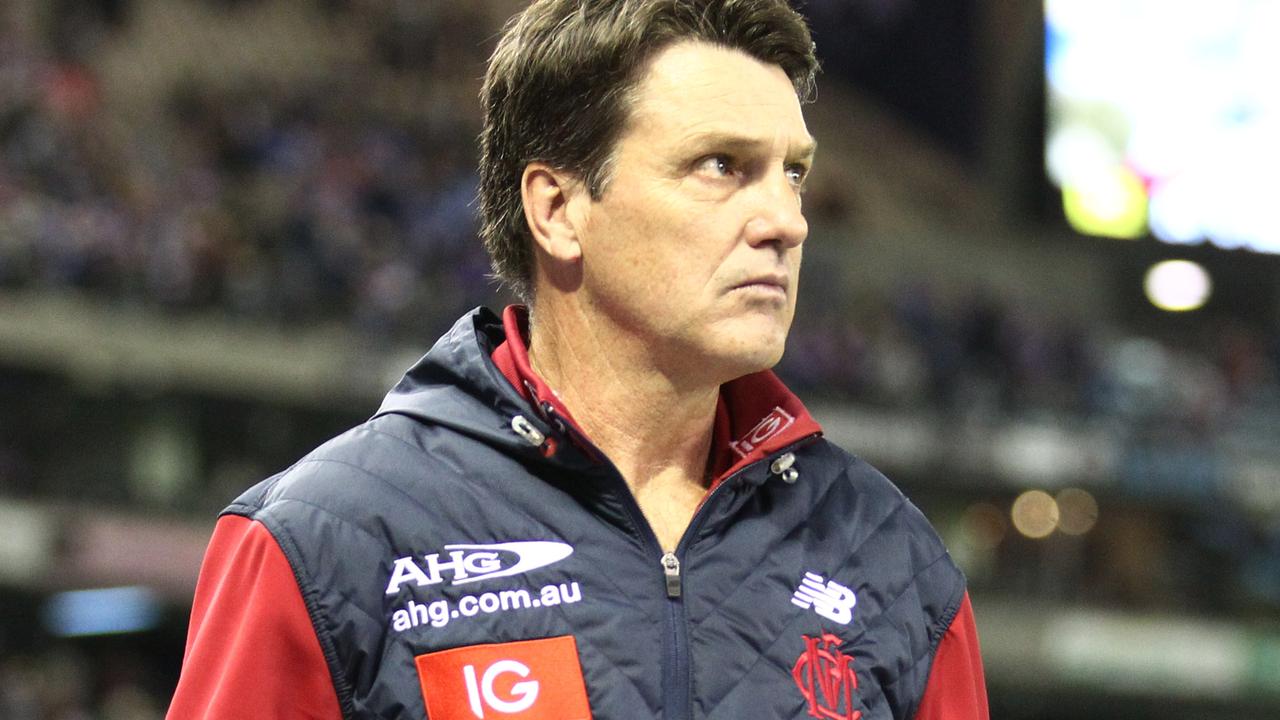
x,y
695,91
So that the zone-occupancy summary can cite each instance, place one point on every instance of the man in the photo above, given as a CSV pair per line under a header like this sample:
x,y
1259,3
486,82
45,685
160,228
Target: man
x,y
604,506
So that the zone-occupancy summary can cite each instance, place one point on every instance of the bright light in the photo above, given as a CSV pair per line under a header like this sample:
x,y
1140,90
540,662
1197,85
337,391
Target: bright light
x,y
1178,285
1035,514
1077,152
1181,96
984,526
1078,510
107,611
1111,203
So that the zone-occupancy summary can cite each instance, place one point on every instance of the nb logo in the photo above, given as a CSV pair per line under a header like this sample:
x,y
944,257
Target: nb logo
x,y
519,697
831,600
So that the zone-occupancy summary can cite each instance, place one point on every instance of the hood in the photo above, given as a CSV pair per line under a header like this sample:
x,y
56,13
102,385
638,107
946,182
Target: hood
x,y
456,385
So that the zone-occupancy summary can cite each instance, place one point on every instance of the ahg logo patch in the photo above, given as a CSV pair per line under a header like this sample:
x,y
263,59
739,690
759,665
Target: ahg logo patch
x,y
473,563
525,680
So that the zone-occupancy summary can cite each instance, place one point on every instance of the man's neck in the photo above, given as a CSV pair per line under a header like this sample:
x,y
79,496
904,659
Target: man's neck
x,y
650,425
656,430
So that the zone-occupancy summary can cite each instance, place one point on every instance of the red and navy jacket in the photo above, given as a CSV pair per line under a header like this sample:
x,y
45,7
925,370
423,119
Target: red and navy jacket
x,y
467,553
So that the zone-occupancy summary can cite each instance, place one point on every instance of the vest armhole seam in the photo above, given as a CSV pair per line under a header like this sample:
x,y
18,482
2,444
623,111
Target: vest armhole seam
x,y
319,621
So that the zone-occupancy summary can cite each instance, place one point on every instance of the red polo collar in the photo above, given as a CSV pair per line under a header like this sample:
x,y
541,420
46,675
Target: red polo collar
x,y
755,416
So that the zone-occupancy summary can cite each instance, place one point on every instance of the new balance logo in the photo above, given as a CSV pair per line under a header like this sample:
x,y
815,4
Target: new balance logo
x,y
831,600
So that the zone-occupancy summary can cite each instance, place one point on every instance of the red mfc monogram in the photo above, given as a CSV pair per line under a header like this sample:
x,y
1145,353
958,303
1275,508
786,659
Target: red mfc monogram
x,y
825,677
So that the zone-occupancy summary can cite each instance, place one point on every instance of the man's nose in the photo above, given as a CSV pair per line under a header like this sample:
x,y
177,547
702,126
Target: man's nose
x,y
776,214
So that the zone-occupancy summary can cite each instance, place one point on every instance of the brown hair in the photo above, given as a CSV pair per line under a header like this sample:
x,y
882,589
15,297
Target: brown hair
x,y
558,87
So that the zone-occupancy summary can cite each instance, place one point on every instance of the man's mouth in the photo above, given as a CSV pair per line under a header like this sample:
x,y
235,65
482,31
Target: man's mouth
x,y
770,284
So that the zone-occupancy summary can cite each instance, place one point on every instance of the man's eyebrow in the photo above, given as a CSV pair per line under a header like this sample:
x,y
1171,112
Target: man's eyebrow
x,y
741,143
806,151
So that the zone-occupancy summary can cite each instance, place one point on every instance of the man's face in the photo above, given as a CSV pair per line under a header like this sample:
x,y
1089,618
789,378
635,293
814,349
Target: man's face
x,y
695,245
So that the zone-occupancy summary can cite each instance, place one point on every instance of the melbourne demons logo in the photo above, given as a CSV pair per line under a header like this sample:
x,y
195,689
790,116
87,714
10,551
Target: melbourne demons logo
x,y
825,677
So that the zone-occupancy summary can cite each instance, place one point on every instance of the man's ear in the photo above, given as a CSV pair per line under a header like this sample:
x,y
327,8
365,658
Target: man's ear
x,y
547,193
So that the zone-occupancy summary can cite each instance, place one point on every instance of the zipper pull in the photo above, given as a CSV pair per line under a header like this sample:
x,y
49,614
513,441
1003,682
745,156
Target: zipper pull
x,y
671,570
526,430
784,468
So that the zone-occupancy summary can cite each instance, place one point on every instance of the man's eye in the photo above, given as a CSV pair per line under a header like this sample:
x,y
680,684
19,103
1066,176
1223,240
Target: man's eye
x,y
796,174
716,166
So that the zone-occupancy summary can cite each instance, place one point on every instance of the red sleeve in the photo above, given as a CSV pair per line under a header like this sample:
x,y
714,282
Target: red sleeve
x,y
956,689
251,650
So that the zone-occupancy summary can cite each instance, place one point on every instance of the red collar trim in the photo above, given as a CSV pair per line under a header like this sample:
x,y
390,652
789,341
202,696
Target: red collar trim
x,y
760,417
756,414
512,358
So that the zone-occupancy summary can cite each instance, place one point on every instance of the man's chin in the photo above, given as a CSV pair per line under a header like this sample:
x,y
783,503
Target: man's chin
x,y
748,350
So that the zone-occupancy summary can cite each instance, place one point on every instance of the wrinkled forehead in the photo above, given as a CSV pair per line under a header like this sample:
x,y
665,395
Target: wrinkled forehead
x,y
695,89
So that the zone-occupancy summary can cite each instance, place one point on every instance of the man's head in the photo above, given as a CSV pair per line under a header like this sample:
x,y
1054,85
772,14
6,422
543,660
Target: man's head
x,y
560,90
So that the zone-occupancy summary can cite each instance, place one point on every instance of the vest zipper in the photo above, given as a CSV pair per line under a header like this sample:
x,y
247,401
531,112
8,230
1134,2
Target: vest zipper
x,y
676,687
677,690
677,702
671,570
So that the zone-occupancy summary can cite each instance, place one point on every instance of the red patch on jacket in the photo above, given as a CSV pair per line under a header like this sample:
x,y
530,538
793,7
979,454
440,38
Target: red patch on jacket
x,y
524,680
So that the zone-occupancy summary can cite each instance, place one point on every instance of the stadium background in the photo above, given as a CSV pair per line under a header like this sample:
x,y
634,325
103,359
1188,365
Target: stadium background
x,y
227,225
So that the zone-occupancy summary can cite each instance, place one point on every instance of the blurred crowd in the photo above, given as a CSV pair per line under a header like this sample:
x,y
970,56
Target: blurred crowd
x,y
61,684
307,202
310,203
986,358
259,198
